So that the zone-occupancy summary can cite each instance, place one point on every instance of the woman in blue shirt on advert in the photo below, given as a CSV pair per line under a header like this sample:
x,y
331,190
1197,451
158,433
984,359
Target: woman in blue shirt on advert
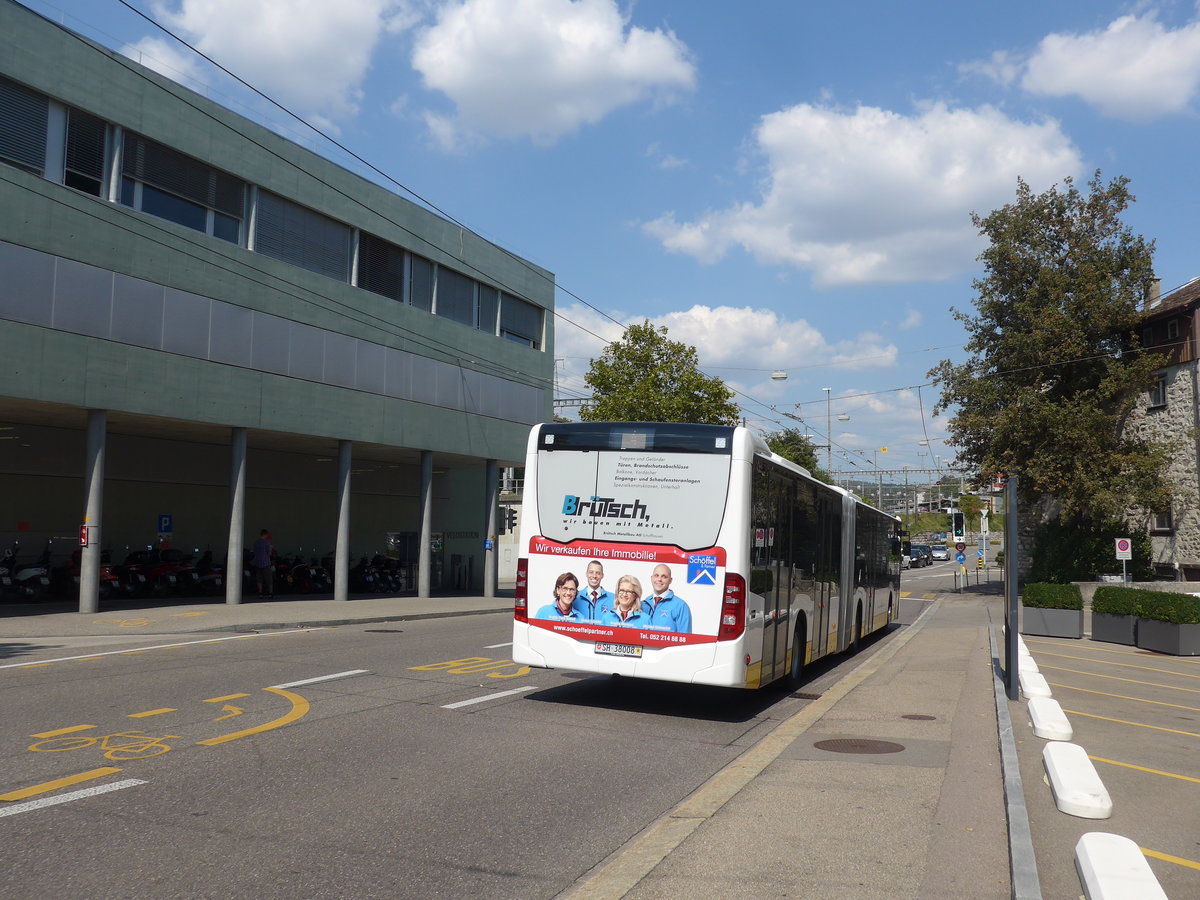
x,y
627,611
566,586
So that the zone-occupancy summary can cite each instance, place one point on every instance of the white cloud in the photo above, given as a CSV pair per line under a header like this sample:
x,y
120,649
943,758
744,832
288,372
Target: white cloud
x,y
1133,69
169,60
543,68
740,344
913,318
870,195
1001,67
311,55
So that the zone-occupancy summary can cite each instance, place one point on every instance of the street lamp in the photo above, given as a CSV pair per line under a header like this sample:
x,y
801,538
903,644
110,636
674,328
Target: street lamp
x,y
829,429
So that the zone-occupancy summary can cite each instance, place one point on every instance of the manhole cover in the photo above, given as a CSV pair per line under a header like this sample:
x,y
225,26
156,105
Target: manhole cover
x,y
858,745
917,717
803,696
384,630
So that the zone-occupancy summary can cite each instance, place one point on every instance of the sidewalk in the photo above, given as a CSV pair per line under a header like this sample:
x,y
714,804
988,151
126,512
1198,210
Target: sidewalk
x,y
60,619
888,786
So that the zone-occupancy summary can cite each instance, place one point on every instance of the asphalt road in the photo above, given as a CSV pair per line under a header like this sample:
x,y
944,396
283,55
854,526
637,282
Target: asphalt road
x,y
422,762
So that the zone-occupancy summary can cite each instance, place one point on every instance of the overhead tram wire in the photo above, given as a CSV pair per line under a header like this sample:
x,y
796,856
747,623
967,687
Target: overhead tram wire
x,y
429,204
239,270
391,180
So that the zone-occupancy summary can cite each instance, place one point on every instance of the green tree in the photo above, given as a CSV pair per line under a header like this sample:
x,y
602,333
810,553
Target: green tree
x,y
791,443
1054,368
644,377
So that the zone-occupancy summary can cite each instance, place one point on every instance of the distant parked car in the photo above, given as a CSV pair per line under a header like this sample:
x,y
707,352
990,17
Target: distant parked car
x,y
940,551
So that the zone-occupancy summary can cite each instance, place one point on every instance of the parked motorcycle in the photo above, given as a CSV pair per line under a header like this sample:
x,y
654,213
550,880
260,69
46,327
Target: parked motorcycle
x,y
25,580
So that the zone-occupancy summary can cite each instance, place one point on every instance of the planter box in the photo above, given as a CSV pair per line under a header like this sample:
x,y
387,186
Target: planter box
x,y
1167,637
1114,629
1066,623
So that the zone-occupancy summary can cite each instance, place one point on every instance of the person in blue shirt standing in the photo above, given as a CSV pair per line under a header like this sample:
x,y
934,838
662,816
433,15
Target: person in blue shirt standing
x,y
594,599
627,612
666,609
566,586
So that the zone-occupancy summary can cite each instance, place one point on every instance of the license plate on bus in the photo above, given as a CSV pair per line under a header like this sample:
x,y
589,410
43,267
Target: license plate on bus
x,y
618,649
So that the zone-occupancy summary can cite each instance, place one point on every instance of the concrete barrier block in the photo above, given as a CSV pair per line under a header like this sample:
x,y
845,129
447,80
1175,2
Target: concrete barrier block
x,y
1078,790
1112,867
1033,684
1049,721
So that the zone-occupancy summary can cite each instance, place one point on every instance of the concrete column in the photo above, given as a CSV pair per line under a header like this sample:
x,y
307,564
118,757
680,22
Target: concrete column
x,y
341,553
425,538
491,494
237,516
93,512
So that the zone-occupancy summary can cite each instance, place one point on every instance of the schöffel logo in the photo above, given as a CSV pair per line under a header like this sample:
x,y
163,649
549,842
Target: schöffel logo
x,y
604,508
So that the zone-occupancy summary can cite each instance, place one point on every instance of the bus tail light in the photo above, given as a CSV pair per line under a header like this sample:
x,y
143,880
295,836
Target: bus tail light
x,y
733,609
521,594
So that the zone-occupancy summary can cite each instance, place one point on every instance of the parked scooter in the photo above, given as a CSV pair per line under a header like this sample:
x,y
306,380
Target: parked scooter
x,y
210,576
26,580
66,578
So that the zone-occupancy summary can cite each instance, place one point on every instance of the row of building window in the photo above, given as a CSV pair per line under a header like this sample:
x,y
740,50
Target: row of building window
x,y
74,148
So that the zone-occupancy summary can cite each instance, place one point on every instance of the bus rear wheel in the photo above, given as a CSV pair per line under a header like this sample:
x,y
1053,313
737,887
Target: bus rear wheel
x,y
796,670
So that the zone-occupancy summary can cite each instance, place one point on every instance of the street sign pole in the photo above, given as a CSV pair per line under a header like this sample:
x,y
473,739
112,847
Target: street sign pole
x,y
1010,589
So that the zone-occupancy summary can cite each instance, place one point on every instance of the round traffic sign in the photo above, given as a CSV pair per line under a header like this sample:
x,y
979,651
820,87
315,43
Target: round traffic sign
x,y
960,546
1122,544
961,557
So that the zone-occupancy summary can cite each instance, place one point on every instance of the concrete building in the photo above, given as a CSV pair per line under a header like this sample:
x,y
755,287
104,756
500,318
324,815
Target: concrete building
x,y
207,329
1168,413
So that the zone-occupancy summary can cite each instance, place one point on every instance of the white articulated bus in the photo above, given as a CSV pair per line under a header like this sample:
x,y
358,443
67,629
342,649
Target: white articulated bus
x,y
691,553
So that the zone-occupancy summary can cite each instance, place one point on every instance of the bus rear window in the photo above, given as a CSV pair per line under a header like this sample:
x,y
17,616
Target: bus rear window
x,y
633,495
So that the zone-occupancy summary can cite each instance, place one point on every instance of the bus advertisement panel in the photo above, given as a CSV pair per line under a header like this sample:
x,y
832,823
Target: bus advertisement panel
x,y
629,595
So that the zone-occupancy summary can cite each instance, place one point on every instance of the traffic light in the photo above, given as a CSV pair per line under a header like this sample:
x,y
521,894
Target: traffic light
x,y
959,524
508,520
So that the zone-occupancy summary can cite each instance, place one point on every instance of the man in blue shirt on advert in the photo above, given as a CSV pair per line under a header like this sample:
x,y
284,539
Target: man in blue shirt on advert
x,y
594,599
666,609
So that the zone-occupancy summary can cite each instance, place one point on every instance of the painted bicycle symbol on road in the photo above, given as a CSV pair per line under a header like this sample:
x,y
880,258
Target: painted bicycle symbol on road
x,y
118,746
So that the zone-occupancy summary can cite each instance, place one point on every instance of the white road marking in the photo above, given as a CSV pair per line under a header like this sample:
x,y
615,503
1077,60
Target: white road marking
x,y
67,798
484,699
232,637
292,684
497,646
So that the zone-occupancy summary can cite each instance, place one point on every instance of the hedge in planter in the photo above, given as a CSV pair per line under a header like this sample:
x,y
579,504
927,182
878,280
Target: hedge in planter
x,y
1169,623
1054,610
1115,613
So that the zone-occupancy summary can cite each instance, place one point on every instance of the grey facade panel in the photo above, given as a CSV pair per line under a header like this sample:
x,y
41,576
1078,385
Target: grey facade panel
x,y
270,342
399,368
340,359
370,368
231,335
82,299
424,380
137,312
27,285
186,323
306,348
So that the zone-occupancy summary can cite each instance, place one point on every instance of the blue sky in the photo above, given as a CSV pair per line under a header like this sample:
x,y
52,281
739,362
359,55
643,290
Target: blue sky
x,y
785,186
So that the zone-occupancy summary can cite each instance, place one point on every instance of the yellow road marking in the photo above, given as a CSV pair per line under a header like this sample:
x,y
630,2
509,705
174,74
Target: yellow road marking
x,y
1166,857
151,712
300,708
47,786
225,698
1076,712
184,615
232,710
60,731
1124,665
35,666
1123,697
1170,687
1113,762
